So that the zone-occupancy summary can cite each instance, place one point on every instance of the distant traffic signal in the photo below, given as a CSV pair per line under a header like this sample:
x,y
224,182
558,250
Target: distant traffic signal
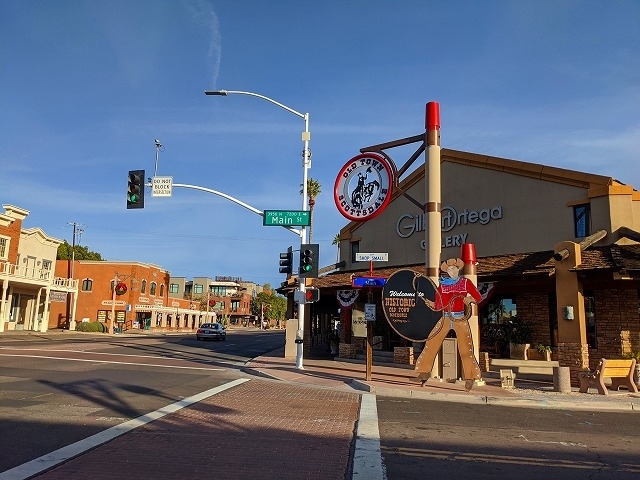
x,y
135,189
311,295
309,253
286,262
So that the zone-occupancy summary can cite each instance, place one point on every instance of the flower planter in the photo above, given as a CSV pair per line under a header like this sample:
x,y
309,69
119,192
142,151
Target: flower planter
x,y
518,351
535,354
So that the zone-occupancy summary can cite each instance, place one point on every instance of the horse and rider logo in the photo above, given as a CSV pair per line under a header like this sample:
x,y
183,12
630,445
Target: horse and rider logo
x,y
363,187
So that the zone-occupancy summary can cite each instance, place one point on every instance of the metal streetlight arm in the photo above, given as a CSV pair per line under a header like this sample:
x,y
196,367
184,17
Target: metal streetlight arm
x,y
224,93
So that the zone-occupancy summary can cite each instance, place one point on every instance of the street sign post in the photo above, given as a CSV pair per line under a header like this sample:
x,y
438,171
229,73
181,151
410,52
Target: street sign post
x,y
286,218
372,282
161,186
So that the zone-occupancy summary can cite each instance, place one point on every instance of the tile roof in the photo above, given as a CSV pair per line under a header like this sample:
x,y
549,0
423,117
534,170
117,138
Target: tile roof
x,y
609,257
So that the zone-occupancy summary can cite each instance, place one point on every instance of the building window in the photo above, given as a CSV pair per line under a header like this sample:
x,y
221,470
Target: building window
x,y
355,248
143,286
4,248
198,289
152,288
590,317
218,291
162,289
582,220
87,285
499,309
173,288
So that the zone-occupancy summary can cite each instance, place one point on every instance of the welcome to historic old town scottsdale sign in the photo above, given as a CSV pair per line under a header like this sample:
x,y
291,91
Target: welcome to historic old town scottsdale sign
x,y
363,187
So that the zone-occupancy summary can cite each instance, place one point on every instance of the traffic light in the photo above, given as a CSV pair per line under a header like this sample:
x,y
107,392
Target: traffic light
x,y
135,190
286,262
309,253
311,295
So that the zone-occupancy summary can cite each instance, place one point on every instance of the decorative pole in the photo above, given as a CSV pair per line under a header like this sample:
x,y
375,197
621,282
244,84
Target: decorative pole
x,y
433,205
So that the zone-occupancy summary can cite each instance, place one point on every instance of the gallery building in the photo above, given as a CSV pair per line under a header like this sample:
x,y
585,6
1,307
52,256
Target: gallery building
x,y
557,249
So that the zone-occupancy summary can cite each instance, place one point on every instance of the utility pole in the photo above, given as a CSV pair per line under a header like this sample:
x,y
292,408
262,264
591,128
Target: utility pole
x,y
77,232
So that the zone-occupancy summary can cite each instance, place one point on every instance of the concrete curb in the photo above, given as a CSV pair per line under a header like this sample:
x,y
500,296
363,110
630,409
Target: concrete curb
x,y
528,402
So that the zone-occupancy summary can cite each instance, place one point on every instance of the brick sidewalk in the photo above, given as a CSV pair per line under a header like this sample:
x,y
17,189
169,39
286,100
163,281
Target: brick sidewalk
x,y
247,432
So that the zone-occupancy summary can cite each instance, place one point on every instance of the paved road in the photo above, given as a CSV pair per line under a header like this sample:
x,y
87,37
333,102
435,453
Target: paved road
x,y
168,408
471,441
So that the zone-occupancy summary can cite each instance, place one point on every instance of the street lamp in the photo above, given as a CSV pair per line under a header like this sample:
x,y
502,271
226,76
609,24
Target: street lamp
x,y
306,165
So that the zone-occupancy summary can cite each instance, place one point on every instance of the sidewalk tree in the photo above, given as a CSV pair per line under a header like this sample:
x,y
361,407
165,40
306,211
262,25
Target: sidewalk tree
x,y
336,241
313,190
66,252
275,306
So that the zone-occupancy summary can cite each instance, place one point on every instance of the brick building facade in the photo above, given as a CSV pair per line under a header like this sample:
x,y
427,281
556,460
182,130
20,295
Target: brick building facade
x,y
140,299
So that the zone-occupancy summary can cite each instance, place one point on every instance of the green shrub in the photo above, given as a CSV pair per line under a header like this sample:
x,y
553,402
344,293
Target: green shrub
x,y
543,348
90,327
633,354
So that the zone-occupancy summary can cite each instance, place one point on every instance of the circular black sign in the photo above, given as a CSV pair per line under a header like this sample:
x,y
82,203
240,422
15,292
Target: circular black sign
x,y
403,303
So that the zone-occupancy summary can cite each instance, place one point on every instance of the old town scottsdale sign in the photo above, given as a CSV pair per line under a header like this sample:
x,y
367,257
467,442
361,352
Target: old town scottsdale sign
x,y
363,187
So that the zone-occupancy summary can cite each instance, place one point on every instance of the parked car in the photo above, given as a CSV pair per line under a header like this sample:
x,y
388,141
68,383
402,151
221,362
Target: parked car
x,y
211,330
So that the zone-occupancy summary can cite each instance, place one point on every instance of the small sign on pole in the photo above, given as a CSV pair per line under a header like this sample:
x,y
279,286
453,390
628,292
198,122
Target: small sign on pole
x,y
370,312
161,186
372,257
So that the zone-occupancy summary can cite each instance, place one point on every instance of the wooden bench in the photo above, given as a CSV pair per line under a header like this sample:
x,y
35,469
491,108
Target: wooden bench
x,y
619,371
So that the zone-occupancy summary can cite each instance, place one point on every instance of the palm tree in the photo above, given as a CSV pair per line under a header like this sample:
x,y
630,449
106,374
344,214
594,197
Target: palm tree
x,y
313,190
336,241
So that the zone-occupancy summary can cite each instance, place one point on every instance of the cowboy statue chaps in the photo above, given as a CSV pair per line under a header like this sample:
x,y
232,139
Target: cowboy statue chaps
x,y
420,311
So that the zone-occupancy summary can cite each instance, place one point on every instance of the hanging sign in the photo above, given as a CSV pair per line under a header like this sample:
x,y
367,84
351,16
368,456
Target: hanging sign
x,y
363,187
121,288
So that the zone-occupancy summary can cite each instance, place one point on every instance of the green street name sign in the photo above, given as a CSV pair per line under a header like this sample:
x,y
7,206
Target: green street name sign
x,y
286,218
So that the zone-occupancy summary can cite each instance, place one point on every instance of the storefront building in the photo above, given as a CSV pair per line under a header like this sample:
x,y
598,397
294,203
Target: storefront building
x,y
28,285
528,223
132,294
228,297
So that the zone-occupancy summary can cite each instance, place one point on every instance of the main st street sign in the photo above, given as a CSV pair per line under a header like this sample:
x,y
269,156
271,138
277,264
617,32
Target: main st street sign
x,y
286,218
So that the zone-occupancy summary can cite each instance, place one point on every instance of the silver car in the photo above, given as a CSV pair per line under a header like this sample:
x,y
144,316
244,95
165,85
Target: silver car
x,y
211,330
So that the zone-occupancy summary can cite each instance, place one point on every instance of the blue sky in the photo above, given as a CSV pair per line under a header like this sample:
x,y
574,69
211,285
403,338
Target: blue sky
x,y
86,87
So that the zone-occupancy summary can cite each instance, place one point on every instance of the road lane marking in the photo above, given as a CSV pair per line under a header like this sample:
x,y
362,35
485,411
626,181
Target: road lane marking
x,y
50,460
111,362
367,457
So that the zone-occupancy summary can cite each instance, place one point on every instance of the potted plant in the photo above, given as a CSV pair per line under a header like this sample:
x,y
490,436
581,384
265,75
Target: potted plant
x,y
518,334
545,351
